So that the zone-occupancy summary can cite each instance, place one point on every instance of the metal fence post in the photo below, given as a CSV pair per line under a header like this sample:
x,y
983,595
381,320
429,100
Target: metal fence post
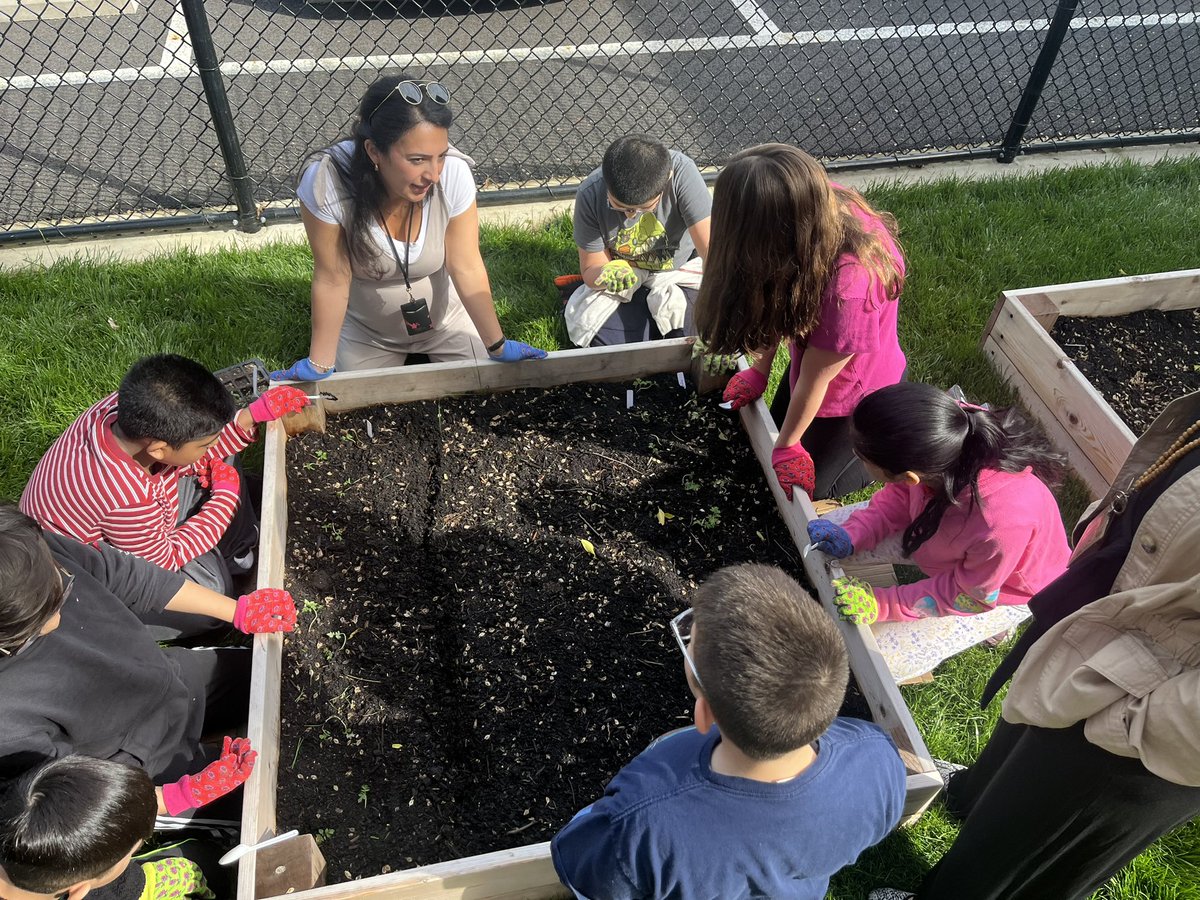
x,y
218,107
1063,13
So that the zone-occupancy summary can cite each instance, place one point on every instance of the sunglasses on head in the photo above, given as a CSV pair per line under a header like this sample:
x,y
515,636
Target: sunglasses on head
x,y
414,92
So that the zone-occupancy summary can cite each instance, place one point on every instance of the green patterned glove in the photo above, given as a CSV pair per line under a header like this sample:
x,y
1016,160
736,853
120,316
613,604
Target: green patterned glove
x,y
855,600
713,363
617,276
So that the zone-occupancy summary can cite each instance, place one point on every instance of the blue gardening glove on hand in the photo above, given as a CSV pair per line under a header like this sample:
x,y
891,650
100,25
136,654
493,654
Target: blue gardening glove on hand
x,y
830,539
617,276
301,370
515,351
855,600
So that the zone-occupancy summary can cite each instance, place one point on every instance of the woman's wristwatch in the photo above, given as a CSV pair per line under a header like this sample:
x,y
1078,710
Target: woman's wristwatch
x,y
496,346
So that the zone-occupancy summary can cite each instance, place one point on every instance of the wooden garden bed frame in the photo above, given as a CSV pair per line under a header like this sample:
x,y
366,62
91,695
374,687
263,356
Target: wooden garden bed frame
x,y
524,871
1077,419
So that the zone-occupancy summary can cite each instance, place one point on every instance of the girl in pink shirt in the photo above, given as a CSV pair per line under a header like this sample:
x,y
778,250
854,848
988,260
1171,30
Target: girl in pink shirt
x,y
965,500
795,257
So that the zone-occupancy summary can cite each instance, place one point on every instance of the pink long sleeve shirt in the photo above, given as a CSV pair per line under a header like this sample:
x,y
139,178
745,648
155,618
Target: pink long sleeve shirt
x,y
1000,552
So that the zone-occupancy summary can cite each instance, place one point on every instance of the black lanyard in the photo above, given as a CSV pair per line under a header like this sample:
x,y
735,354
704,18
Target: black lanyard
x,y
402,266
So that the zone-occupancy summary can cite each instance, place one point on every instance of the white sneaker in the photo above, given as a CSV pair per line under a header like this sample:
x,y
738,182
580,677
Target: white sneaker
x,y
890,894
945,769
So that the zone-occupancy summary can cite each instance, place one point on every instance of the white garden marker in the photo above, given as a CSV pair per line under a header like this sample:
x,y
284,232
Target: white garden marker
x,y
242,849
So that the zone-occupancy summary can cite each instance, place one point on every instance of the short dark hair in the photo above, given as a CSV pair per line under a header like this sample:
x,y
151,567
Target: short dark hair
x,y
172,398
73,819
772,663
30,586
636,169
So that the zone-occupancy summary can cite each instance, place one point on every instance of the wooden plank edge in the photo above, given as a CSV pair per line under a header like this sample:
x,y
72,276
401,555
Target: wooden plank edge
x,y
258,804
403,384
520,872
1059,436
1112,296
874,679
920,790
1057,381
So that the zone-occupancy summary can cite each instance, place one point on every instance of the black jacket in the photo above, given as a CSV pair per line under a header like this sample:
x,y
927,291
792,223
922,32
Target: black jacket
x,y
99,685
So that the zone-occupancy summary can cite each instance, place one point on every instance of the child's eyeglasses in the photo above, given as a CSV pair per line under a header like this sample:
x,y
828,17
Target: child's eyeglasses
x,y
633,210
681,627
414,92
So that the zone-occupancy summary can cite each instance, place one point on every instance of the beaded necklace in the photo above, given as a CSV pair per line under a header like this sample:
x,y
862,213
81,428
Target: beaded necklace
x,y
1183,445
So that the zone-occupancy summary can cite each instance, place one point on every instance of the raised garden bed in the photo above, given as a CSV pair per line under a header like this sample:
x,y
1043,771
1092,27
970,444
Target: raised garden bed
x,y
620,532
1077,417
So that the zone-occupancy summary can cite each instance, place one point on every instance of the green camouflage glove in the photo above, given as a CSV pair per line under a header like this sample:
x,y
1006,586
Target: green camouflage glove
x,y
855,600
713,364
617,276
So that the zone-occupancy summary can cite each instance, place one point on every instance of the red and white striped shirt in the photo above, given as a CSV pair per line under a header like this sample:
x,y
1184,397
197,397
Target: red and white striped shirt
x,y
88,488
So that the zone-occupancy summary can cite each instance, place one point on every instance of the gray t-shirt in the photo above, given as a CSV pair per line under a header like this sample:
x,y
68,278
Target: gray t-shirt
x,y
657,240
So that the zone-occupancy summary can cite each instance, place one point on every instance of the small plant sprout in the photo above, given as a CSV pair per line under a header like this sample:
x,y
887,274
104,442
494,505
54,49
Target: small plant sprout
x,y
334,530
311,607
324,834
712,520
363,791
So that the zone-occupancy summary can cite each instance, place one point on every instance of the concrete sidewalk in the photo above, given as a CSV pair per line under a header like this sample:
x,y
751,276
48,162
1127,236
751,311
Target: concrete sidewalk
x,y
138,247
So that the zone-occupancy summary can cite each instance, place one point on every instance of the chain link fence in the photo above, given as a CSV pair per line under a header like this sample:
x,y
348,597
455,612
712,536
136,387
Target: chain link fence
x,y
108,106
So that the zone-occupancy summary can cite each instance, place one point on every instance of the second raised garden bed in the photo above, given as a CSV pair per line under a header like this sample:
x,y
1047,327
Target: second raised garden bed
x,y
524,871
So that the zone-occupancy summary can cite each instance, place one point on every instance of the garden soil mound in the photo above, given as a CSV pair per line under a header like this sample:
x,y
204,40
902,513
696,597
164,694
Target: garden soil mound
x,y
485,586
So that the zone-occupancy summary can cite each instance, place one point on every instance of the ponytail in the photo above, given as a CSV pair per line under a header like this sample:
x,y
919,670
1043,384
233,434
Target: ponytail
x,y
919,428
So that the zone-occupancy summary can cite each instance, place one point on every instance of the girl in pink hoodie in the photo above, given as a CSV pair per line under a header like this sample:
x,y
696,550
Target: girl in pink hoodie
x,y
964,500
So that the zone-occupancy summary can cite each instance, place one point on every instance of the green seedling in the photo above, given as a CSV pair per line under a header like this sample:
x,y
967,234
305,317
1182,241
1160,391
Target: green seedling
x,y
363,791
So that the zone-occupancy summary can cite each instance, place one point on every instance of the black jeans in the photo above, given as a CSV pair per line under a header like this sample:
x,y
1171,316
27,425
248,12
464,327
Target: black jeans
x,y
1050,815
827,441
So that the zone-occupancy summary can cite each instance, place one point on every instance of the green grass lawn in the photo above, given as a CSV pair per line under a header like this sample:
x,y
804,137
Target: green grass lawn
x,y
72,330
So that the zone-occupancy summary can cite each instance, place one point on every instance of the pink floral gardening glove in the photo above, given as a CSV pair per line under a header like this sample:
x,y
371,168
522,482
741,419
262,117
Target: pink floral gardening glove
x,y
744,388
794,468
265,611
215,781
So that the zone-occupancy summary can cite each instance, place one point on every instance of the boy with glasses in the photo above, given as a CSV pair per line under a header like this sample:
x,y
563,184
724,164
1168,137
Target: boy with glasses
x,y
637,220
775,798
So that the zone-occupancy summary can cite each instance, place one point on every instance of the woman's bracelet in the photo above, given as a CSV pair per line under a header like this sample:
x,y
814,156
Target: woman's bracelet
x,y
320,368
496,346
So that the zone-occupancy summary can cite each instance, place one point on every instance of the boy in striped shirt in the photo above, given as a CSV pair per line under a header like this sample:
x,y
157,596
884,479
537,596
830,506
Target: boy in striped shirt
x,y
120,472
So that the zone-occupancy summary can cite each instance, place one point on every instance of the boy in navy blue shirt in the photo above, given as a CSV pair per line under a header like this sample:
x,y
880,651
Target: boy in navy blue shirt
x,y
771,802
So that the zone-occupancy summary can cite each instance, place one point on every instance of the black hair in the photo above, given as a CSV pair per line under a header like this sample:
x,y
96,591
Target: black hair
x,y
172,398
383,118
772,663
911,427
636,169
30,585
73,819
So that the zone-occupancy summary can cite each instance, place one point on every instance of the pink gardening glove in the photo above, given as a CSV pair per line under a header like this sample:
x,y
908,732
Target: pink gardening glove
x,y
217,780
276,402
794,468
744,388
223,476
265,611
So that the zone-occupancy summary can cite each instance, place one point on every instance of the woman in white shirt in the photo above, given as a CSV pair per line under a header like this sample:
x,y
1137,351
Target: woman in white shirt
x,y
391,218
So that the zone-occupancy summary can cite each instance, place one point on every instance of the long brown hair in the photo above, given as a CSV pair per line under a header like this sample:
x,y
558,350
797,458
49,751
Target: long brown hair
x,y
778,229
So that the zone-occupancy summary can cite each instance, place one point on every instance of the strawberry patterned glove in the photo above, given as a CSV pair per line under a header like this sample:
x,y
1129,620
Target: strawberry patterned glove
x,y
794,468
223,476
617,276
265,611
855,600
276,402
744,388
830,539
217,780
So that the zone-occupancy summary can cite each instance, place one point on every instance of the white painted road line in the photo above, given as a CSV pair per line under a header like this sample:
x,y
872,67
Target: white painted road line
x,y
756,17
177,48
590,51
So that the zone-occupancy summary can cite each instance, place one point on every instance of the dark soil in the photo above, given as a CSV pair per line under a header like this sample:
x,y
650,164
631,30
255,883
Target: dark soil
x,y
466,674
1139,362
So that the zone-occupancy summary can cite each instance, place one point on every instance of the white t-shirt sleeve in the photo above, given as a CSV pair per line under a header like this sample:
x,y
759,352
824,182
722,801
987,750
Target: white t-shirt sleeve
x,y
459,185
321,192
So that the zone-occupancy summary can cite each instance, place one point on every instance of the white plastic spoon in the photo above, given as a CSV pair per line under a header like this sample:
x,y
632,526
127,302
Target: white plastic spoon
x,y
242,849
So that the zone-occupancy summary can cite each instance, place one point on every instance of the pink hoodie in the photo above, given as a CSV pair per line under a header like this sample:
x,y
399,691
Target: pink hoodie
x,y
1002,552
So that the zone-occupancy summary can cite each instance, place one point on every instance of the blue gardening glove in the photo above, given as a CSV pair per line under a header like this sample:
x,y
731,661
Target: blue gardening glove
x,y
855,600
829,538
301,370
617,276
515,351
